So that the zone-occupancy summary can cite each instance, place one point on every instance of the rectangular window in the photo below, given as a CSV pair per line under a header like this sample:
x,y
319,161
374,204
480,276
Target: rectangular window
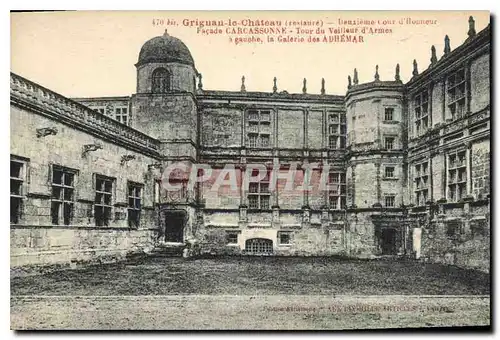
x,y
134,205
253,115
232,237
333,142
421,179
389,172
421,112
457,175
63,195
264,141
17,191
252,140
390,201
337,131
265,115
337,190
389,114
334,202
258,193
103,200
389,143
284,237
121,115
253,201
258,127
253,127
456,94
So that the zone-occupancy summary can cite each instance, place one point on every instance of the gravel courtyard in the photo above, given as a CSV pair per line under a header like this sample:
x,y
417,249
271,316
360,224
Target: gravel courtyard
x,y
250,293
255,275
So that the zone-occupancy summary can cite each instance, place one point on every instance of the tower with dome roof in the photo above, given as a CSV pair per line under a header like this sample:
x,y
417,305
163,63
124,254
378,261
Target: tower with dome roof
x,y
165,108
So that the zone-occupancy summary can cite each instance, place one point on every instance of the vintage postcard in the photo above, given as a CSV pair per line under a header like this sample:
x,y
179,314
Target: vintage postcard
x,y
246,170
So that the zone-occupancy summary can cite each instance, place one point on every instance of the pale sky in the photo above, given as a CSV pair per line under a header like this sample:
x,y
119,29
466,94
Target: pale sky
x,y
90,54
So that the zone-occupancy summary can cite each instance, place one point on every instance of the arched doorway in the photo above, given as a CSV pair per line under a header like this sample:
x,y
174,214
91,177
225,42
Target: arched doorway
x,y
259,246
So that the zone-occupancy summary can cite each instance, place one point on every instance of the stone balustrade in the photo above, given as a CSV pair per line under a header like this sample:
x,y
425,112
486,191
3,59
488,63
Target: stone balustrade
x,y
62,107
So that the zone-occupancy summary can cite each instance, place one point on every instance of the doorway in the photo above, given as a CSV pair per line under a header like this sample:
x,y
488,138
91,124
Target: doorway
x,y
174,226
388,241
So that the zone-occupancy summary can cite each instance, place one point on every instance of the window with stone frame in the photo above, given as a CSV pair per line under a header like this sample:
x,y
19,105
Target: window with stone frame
x,y
134,204
389,142
103,203
232,237
389,171
457,176
389,114
337,190
259,196
63,195
421,112
160,81
259,128
337,130
253,140
389,200
121,115
264,141
284,237
17,188
456,89
422,182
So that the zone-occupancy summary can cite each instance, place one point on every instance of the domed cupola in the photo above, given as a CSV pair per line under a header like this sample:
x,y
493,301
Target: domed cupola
x,y
165,65
165,49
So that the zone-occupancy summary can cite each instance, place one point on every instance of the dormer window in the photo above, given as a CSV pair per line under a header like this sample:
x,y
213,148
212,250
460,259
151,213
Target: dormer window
x,y
161,81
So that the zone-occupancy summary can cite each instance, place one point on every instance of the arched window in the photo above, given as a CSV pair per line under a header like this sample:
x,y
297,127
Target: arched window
x,y
161,81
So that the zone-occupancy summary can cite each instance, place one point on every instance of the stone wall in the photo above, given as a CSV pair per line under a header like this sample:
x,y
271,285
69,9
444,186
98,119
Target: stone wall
x,y
34,239
290,129
166,117
361,235
480,82
315,128
480,172
33,245
458,241
221,127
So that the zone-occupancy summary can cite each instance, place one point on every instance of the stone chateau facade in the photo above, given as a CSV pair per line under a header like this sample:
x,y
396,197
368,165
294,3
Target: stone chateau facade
x,y
409,164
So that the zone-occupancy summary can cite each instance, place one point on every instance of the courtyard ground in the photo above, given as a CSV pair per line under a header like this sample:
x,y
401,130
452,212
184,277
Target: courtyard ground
x,y
250,292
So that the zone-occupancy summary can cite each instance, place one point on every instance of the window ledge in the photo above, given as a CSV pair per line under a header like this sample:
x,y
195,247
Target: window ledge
x,y
391,122
259,210
284,245
390,178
